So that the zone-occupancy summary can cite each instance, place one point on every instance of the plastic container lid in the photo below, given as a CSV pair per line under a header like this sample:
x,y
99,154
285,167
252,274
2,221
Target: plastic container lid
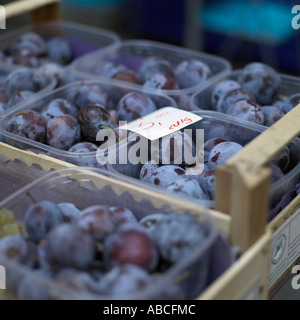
x,y
47,86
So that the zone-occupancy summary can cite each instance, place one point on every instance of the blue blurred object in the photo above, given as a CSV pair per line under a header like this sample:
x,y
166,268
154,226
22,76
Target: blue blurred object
x,y
259,21
158,20
238,30
254,30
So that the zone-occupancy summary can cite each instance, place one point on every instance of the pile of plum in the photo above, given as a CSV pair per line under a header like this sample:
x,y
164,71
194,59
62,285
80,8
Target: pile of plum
x,y
33,62
33,51
254,96
158,73
21,84
102,250
198,180
72,124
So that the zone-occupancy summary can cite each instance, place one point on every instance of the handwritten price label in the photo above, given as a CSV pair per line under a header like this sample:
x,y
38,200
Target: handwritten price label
x,y
161,122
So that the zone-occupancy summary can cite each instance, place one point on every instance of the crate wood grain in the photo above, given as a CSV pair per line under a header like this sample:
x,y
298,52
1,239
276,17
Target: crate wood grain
x,y
29,158
247,279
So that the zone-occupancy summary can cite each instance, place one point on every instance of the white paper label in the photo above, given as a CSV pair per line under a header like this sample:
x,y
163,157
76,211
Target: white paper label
x,y
162,122
285,248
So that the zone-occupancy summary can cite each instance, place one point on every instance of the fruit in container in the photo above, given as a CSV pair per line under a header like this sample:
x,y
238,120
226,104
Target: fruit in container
x,y
166,174
29,124
197,180
101,250
74,120
260,85
221,89
247,110
134,105
229,98
63,132
262,81
189,187
158,73
189,73
30,46
19,85
92,118
130,243
58,107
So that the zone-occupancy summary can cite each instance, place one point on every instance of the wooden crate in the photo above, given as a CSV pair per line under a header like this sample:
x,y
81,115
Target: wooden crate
x,y
30,158
247,278
285,245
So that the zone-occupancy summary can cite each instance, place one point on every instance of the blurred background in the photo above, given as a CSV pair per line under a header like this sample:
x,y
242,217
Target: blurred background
x,y
238,30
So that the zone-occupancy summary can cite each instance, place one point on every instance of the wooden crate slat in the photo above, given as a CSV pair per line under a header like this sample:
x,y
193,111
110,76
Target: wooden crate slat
x,y
22,6
30,158
259,152
249,204
254,260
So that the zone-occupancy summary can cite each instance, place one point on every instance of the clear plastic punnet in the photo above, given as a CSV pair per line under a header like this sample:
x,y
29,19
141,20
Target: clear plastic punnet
x,y
221,127
186,278
14,90
110,91
283,191
83,39
202,98
131,55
